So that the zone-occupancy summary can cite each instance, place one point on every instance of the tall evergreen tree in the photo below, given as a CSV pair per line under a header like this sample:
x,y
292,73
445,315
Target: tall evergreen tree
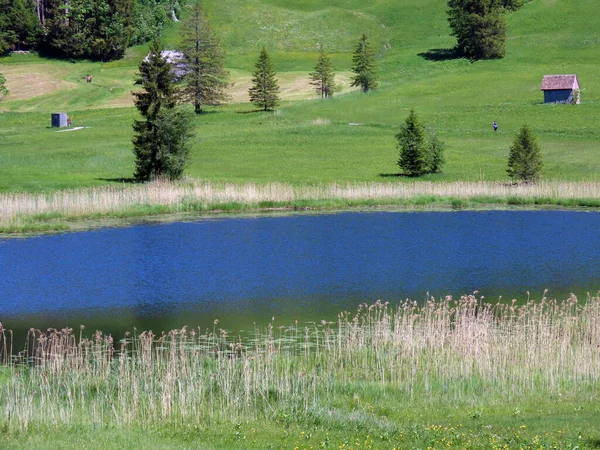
x,y
323,77
24,23
7,36
525,157
479,28
3,88
363,66
264,91
161,140
412,145
205,78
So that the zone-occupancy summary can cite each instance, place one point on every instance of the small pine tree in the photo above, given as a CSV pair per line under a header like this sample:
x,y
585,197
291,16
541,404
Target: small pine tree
x,y
434,158
323,77
205,78
363,65
525,157
411,142
479,28
161,141
3,88
264,91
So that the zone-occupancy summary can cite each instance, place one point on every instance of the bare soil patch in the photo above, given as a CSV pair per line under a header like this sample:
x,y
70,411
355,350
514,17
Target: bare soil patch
x,y
33,83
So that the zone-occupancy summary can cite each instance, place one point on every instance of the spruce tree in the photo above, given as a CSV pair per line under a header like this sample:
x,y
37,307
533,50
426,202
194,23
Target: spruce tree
x,y
412,145
7,36
434,156
205,78
525,157
161,140
479,28
363,66
323,77
264,91
24,23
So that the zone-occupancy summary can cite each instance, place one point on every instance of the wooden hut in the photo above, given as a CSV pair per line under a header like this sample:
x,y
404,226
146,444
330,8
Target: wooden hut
x,y
561,89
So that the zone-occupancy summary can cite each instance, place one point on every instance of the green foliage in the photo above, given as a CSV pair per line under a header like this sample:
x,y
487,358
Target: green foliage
x,y
7,36
24,23
323,76
434,157
421,151
525,158
3,88
149,19
161,141
363,66
412,145
205,78
479,28
87,29
264,92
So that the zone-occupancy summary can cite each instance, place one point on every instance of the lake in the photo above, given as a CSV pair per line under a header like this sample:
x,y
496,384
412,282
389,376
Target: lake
x,y
304,267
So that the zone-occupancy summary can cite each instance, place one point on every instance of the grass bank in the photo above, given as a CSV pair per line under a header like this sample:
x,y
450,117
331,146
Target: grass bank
x,y
451,373
89,207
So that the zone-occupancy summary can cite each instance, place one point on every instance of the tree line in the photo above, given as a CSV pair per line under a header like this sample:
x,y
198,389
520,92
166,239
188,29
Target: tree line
x,y
94,29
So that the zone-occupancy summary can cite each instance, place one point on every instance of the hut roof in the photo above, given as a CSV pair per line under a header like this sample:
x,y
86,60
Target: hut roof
x,y
559,82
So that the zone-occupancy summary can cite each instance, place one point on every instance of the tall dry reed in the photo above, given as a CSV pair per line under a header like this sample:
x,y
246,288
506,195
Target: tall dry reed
x,y
443,351
15,207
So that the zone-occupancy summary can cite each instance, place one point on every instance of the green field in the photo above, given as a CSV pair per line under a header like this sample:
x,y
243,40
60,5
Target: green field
x,y
310,140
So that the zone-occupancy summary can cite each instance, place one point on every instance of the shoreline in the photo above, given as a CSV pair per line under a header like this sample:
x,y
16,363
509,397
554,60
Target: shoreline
x,y
26,214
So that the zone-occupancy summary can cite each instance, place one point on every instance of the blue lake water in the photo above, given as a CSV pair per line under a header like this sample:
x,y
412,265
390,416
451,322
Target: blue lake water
x,y
297,267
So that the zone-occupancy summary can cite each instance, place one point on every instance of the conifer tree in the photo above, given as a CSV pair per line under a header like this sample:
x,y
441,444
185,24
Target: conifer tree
x,y
24,23
479,28
264,91
434,157
205,78
161,140
323,77
525,157
7,36
363,66
412,145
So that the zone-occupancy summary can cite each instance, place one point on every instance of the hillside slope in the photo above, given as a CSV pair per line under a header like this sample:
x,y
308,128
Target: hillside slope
x,y
458,98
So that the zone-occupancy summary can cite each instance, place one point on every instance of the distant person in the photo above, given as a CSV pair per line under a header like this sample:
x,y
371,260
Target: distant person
x,y
495,125
68,121
89,79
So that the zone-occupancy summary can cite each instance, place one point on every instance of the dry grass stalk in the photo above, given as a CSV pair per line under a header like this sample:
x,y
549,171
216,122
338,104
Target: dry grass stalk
x,y
444,350
14,207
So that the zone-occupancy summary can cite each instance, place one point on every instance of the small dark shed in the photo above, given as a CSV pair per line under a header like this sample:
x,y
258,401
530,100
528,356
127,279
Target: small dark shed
x,y
561,89
59,120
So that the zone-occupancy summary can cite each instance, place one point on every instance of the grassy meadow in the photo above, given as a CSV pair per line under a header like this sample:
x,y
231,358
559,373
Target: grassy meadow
x,y
308,140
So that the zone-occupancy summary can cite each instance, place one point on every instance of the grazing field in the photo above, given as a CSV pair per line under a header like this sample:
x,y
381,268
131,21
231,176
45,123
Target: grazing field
x,y
313,141
448,374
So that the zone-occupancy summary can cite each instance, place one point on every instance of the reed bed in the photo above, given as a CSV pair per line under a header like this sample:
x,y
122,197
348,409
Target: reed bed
x,y
198,195
443,352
